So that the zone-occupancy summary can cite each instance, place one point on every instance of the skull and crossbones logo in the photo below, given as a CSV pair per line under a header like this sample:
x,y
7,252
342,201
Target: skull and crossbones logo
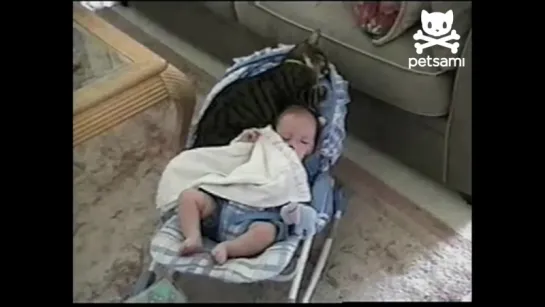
x,y
436,25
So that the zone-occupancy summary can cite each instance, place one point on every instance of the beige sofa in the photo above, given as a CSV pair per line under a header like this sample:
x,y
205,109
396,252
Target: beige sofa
x,y
421,116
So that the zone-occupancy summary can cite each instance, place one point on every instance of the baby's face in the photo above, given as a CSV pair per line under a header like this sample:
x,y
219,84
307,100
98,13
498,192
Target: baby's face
x,y
298,131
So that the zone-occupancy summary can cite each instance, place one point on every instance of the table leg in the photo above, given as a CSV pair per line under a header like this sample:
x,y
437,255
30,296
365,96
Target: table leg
x,y
182,91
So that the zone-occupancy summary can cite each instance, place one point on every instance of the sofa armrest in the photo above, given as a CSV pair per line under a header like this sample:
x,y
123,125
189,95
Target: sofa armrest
x,y
225,9
458,169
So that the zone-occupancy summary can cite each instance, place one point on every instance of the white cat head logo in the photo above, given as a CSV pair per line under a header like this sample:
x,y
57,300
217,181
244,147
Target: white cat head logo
x,y
435,25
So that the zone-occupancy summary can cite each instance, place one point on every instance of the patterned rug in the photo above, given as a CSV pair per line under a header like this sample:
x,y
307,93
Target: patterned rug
x,y
387,248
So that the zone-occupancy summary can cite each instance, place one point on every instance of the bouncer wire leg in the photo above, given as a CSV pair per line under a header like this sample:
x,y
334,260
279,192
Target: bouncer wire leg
x,y
149,276
322,260
146,278
300,269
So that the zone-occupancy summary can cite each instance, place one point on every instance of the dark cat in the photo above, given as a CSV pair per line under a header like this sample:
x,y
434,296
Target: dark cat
x,y
257,101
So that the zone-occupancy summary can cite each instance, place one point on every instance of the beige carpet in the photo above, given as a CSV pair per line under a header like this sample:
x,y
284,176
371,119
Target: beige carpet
x,y
388,249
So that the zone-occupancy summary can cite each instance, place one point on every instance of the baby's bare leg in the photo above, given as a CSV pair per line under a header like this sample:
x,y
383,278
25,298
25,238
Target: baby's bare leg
x,y
259,236
193,206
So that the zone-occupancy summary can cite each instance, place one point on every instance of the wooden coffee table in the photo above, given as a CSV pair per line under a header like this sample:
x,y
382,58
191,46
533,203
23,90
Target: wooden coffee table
x,y
116,78
131,115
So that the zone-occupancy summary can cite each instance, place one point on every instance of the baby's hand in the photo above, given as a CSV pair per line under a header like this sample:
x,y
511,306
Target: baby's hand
x,y
250,135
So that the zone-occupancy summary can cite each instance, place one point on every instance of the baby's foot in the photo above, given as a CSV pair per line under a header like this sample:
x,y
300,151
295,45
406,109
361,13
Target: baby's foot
x,y
219,253
191,246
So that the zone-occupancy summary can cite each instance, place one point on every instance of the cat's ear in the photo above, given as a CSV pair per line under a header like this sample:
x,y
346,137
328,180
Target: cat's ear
x,y
424,15
314,38
449,15
300,49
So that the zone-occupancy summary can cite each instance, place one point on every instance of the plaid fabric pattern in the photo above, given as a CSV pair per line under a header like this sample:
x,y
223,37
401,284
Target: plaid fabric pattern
x,y
166,244
333,109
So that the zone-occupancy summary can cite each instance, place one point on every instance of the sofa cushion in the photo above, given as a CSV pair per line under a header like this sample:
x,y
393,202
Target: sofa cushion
x,y
380,71
224,9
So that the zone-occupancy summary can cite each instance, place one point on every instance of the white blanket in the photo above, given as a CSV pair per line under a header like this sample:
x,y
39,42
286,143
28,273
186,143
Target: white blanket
x,y
263,174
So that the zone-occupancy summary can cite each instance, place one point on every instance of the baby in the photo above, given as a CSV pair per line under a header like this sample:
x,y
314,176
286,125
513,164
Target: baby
x,y
243,231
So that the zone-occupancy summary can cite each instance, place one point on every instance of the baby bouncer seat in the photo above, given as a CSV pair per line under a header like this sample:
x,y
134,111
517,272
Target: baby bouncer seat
x,y
285,260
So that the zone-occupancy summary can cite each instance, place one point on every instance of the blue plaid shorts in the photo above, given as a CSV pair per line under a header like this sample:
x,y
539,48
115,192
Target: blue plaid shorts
x,y
231,219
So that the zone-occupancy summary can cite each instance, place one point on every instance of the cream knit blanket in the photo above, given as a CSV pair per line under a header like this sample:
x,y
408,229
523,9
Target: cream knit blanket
x,y
263,174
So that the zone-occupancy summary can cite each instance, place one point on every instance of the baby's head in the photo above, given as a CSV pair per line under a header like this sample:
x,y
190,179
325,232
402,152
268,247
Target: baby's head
x,y
299,129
